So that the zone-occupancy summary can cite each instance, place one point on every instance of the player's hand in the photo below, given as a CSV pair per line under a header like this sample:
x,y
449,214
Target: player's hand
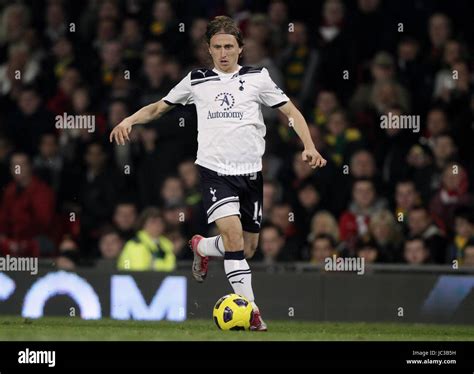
x,y
313,158
121,131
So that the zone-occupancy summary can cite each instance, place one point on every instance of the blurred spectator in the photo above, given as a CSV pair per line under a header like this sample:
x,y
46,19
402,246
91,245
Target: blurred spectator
x,y
452,194
155,84
258,31
383,91
5,153
336,52
420,224
124,219
175,216
341,138
197,222
322,247
61,102
468,259
26,125
324,222
368,31
392,146
106,31
361,165
26,212
97,193
308,202
326,103
463,232
411,71
444,151
406,197
445,80
273,246
172,191
19,69
14,22
415,251
63,56
421,170
299,62
110,244
278,25
124,154
131,39
439,31
69,256
271,196
55,22
163,26
386,235
283,216
150,249
436,123
48,163
181,248
367,249
111,55
355,221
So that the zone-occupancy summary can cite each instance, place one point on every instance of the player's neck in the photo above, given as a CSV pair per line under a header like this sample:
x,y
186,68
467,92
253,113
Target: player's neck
x,y
232,70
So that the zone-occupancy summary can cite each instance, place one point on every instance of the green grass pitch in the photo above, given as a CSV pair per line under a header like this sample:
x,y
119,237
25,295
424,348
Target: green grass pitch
x,y
63,328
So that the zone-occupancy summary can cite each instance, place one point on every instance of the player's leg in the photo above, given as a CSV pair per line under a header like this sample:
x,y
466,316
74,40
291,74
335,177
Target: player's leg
x,y
250,243
235,265
212,246
220,199
251,201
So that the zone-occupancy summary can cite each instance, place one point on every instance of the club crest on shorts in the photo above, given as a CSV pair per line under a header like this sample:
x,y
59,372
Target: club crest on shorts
x,y
213,193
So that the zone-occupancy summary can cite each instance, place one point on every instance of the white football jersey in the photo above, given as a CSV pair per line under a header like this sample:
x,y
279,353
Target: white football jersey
x,y
230,123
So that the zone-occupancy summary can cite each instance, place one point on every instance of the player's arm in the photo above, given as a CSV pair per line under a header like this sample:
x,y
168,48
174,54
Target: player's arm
x,y
310,154
146,114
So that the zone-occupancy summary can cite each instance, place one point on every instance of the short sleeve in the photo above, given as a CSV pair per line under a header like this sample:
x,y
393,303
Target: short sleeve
x,y
270,94
181,93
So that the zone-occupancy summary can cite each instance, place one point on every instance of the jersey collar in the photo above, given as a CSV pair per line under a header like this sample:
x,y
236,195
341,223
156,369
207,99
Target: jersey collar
x,y
215,70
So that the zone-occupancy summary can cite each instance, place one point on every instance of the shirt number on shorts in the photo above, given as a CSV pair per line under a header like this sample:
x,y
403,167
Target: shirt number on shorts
x,y
257,213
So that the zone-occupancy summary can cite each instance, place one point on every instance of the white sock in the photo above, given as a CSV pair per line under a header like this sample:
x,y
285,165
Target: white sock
x,y
239,275
213,246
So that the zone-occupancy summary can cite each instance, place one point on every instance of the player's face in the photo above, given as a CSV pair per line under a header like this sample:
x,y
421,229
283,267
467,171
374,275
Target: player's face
x,y
225,51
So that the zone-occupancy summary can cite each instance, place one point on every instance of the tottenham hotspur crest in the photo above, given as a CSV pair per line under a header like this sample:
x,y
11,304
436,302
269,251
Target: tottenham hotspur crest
x,y
213,193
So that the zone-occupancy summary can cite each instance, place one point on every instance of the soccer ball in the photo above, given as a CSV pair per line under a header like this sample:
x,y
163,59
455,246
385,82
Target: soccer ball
x,y
233,312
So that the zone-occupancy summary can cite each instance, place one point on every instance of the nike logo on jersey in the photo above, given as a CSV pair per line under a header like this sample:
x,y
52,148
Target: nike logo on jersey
x,y
239,281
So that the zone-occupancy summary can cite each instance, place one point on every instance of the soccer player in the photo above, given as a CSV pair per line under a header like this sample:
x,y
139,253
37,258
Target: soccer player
x,y
231,143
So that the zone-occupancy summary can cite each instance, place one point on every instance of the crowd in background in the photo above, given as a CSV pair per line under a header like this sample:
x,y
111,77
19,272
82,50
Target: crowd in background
x,y
390,195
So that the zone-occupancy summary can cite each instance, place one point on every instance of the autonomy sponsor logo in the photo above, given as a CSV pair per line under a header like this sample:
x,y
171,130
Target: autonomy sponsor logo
x,y
226,103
